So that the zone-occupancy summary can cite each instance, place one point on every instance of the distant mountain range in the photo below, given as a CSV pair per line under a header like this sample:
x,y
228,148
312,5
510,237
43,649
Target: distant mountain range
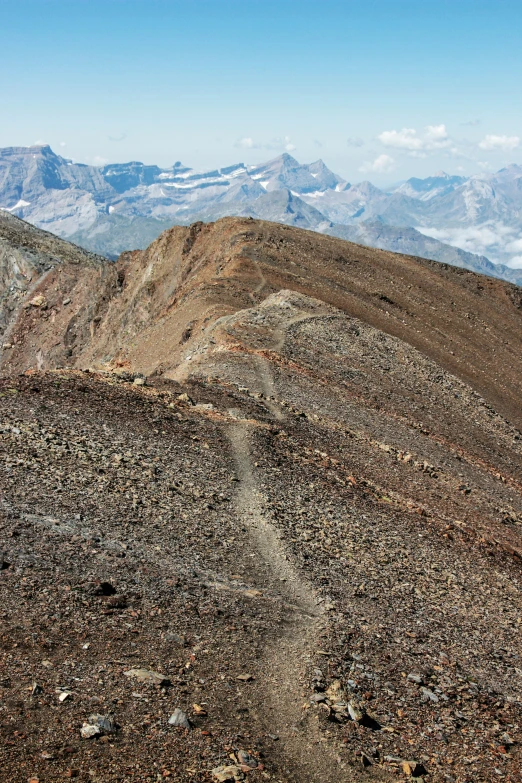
x,y
125,206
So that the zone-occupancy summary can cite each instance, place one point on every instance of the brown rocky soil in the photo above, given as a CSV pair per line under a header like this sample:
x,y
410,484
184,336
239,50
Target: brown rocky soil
x,y
27,255
153,306
283,472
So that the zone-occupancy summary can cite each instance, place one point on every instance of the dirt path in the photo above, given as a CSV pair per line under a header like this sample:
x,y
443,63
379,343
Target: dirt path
x,y
279,692
303,755
301,750
262,282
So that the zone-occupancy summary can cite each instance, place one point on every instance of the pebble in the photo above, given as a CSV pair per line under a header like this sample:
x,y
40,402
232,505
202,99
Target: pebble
x,y
147,676
175,637
104,722
96,725
506,739
413,769
246,759
355,713
335,692
427,695
88,731
230,773
178,718
365,760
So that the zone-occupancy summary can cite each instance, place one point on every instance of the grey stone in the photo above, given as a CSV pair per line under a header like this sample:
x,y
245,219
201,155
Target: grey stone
x,y
105,723
427,695
178,718
246,759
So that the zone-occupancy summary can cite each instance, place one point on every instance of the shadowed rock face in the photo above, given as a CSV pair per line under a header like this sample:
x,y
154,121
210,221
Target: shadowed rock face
x,y
283,471
27,256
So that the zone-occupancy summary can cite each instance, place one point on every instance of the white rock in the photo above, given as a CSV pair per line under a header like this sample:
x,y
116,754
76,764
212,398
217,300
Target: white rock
x,y
88,731
178,718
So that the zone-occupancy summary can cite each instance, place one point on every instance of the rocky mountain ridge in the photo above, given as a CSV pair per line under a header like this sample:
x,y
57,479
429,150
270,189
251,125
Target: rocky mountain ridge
x,y
119,207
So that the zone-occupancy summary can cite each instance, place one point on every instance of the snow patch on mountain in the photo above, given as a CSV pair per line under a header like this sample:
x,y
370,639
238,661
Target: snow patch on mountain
x,y
481,214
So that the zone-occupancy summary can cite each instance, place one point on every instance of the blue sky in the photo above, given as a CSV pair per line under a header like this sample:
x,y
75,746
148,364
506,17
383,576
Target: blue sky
x,y
379,89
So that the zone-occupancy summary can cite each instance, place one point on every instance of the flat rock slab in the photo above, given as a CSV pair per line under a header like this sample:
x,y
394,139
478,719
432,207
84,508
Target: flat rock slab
x,y
148,676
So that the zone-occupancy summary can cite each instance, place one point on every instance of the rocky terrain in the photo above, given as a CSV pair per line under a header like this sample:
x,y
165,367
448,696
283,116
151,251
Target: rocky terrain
x,y
260,516
409,241
125,206
27,254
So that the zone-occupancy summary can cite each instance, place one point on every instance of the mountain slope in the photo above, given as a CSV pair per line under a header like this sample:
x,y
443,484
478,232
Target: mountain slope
x,y
412,242
119,207
27,256
283,472
205,271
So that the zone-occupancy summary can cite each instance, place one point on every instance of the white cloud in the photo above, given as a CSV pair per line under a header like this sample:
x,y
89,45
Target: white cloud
x,y
99,161
406,139
515,262
277,143
381,164
471,123
494,240
504,143
436,134
63,144
515,246
247,143
355,141
435,137
280,143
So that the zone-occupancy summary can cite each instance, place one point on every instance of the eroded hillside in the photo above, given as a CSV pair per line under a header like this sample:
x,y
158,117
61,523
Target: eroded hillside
x,y
27,256
158,303
284,472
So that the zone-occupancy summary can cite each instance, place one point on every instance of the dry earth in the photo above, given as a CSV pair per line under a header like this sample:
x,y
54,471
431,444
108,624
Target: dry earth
x,y
283,472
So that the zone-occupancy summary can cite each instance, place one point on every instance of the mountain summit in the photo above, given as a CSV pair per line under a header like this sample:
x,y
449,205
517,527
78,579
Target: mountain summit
x,y
125,206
